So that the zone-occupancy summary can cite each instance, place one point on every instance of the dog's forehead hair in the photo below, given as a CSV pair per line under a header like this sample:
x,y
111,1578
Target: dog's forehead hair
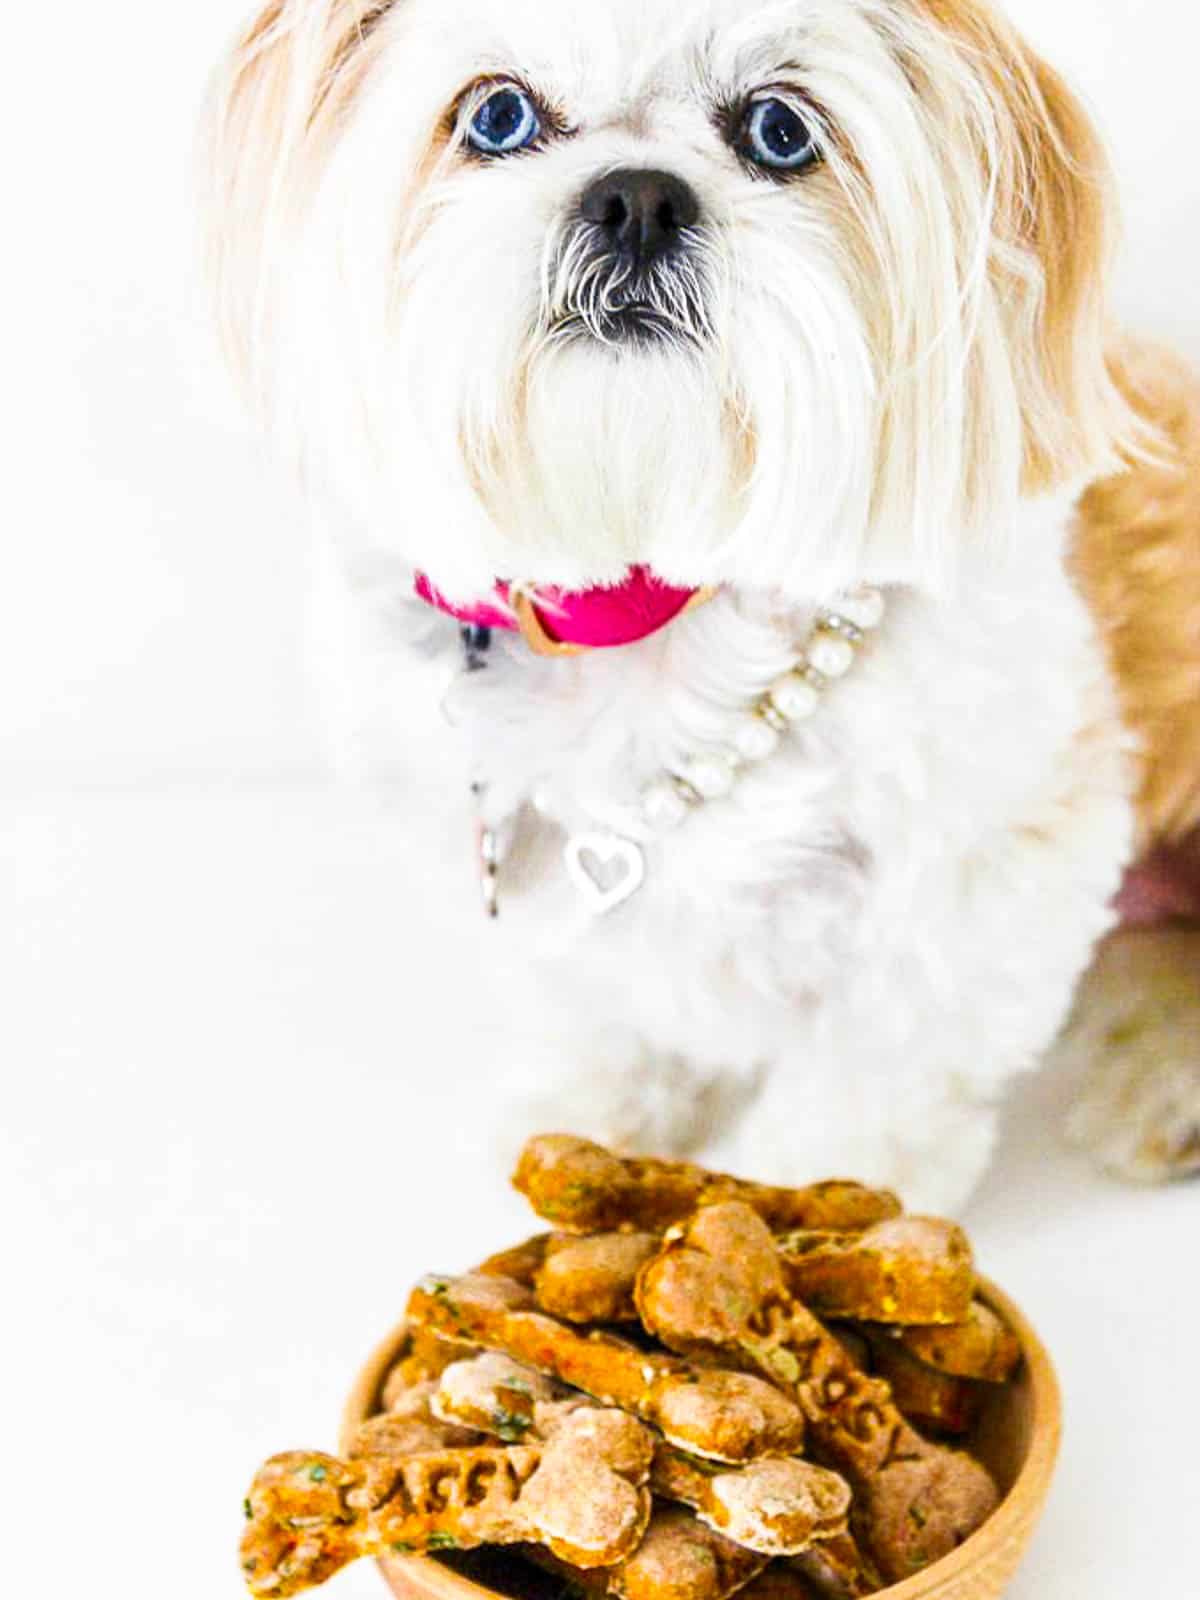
x,y
619,54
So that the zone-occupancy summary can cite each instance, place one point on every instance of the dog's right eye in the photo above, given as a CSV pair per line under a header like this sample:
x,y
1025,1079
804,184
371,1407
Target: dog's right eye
x,y
506,122
776,137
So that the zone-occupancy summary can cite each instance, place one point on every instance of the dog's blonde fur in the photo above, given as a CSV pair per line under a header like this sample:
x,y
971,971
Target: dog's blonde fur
x,y
1137,558
901,372
1053,184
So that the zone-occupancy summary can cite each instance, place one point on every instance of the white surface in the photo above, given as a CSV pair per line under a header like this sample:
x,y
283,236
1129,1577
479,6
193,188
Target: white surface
x,y
232,1134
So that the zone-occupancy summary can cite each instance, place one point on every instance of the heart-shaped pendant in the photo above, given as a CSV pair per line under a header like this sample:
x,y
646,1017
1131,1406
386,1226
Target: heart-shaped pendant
x,y
607,869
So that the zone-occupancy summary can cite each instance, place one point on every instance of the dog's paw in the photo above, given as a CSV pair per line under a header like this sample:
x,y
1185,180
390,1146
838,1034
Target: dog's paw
x,y
669,1106
921,1136
1135,1034
1140,1115
620,1093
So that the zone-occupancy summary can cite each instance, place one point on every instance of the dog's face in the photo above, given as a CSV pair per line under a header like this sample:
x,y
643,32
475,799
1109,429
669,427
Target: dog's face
x,y
789,293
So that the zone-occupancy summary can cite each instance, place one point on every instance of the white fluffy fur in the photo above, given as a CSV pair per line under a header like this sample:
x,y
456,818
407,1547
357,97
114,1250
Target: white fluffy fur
x,y
843,966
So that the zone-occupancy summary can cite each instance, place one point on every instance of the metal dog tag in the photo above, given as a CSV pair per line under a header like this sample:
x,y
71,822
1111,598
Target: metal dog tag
x,y
606,869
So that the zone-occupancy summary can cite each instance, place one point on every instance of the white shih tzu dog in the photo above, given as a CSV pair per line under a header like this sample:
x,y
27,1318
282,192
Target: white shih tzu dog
x,y
727,386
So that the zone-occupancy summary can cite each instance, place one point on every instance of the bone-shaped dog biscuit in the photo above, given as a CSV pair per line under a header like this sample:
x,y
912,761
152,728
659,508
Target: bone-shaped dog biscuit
x,y
782,1580
681,1559
583,1188
931,1400
908,1270
982,1348
497,1395
678,1559
777,1506
310,1515
422,1357
582,1494
521,1263
592,1279
411,1428
722,1416
300,1528
838,1569
589,1495
718,1286
578,1278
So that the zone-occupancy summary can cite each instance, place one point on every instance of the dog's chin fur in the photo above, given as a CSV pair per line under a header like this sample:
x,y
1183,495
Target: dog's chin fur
x,y
889,369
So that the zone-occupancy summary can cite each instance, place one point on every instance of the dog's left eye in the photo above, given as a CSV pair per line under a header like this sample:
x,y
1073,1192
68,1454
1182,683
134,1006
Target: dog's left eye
x,y
506,122
775,135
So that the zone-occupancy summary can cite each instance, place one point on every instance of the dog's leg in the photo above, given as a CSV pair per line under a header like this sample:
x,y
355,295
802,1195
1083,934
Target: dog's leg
x,y
607,1084
896,1071
928,1133
1135,1037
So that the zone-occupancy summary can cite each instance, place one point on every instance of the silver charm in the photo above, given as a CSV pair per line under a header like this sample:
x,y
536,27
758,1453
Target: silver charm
x,y
492,843
607,869
489,871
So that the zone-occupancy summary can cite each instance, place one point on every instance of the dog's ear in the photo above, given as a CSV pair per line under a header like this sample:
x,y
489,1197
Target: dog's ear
x,y
1054,223
274,107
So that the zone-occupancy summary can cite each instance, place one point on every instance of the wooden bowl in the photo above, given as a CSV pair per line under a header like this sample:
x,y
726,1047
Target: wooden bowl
x,y
1017,1437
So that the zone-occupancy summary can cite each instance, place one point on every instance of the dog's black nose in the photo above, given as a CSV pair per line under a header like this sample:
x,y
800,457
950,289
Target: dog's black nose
x,y
643,212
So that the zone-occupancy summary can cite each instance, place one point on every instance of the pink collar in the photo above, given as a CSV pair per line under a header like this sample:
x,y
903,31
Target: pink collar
x,y
562,623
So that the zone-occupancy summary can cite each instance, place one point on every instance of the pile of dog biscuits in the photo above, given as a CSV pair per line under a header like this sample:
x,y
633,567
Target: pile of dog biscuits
x,y
694,1387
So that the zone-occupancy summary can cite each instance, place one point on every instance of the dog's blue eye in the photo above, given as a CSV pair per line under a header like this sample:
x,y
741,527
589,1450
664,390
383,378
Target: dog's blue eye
x,y
507,121
776,136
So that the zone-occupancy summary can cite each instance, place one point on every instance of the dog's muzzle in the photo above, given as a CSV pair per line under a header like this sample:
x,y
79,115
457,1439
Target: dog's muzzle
x,y
630,269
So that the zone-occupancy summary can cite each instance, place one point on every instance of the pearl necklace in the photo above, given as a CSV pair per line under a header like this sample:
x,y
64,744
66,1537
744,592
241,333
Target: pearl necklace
x,y
608,868
829,654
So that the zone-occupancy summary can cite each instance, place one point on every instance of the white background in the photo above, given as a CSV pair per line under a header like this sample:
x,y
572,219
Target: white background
x,y
239,1118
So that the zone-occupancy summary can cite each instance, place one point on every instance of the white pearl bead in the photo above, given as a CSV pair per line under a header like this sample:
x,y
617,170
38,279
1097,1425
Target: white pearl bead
x,y
712,776
755,739
794,699
832,657
663,806
864,607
